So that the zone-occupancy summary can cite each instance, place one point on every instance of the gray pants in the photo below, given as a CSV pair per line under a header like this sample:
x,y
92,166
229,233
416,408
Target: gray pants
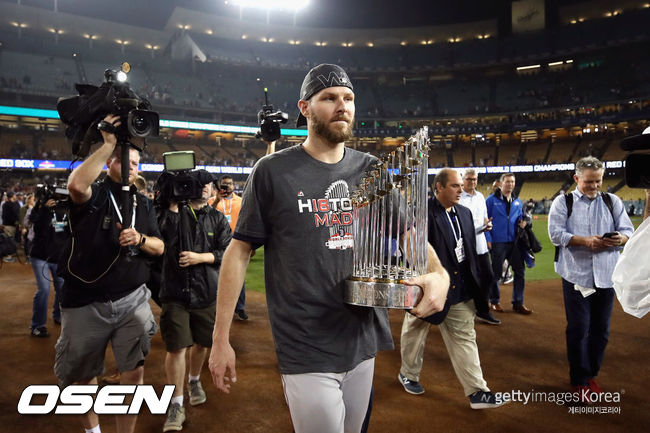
x,y
458,333
329,402
126,323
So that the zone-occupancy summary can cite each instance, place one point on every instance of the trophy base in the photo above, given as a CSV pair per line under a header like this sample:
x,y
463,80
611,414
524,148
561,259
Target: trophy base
x,y
381,294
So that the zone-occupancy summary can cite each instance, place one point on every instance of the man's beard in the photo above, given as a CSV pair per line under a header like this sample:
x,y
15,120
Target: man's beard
x,y
117,177
325,130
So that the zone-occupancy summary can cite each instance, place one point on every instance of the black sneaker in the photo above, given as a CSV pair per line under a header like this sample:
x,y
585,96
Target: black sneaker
x,y
40,332
197,395
410,386
485,400
241,315
487,318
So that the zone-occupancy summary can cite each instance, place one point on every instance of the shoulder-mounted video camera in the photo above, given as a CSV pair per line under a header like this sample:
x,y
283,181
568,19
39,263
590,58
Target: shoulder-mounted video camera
x,y
84,112
637,164
180,182
270,121
47,191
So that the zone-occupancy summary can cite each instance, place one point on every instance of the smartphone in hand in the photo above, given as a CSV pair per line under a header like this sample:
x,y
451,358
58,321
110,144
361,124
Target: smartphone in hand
x,y
610,235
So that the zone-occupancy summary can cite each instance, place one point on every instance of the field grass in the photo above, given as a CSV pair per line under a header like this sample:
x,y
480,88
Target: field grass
x,y
255,273
543,269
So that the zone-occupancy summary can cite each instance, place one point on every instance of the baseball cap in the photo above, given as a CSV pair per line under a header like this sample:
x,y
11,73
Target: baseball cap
x,y
318,78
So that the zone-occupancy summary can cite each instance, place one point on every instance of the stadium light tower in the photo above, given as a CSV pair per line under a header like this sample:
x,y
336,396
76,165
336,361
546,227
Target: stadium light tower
x,y
287,5
284,5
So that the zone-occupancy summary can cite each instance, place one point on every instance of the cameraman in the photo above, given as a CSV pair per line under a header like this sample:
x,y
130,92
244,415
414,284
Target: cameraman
x,y
229,204
50,225
104,296
188,291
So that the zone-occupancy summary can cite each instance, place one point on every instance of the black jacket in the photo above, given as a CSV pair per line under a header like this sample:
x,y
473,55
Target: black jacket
x,y
442,239
526,238
48,242
10,213
210,234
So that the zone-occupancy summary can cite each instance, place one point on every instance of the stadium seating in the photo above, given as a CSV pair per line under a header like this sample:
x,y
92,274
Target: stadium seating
x,y
538,190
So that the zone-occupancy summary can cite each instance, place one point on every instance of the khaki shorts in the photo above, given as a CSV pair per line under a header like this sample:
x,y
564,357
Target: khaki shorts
x,y
181,327
126,323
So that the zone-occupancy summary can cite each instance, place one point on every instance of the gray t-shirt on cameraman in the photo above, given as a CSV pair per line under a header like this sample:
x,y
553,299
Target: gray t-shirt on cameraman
x,y
299,209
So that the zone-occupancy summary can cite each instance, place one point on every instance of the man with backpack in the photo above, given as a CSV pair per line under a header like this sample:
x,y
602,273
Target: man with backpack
x,y
588,228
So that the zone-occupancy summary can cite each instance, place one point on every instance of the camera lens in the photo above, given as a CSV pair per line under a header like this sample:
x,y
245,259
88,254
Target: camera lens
x,y
140,124
143,123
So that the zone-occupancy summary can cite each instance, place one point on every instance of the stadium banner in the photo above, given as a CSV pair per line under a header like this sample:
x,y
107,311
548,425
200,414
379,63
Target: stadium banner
x,y
48,164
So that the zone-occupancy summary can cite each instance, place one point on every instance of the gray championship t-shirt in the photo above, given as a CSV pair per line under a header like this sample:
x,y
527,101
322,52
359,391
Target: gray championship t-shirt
x,y
299,209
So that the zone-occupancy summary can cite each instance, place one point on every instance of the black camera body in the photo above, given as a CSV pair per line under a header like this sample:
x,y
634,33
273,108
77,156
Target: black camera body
x,y
270,122
637,162
186,186
46,191
180,182
83,113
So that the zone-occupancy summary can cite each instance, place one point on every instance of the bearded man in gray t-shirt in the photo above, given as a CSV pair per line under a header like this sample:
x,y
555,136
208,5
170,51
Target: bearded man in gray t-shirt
x,y
297,204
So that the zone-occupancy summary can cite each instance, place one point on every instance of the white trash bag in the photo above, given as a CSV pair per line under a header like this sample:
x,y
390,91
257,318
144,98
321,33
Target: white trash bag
x,y
632,273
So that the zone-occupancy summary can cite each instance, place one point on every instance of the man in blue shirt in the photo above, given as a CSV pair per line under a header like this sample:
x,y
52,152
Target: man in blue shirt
x,y
586,261
506,213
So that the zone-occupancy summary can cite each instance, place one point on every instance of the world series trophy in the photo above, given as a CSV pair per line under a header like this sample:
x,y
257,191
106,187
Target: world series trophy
x,y
390,228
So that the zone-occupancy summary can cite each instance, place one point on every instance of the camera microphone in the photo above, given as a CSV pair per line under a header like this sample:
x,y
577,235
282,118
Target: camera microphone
x,y
270,121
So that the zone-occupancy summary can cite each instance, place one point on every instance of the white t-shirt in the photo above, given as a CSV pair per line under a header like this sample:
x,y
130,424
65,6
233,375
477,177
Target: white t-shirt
x,y
476,203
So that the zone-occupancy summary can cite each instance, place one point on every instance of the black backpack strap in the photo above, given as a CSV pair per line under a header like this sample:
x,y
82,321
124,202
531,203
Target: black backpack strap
x,y
568,197
569,204
607,199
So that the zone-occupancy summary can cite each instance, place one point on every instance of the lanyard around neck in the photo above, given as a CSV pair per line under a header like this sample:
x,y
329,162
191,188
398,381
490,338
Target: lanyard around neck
x,y
460,236
229,211
193,213
117,209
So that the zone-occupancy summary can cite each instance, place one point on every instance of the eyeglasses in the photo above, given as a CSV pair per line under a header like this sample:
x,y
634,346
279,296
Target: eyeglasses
x,y
590,165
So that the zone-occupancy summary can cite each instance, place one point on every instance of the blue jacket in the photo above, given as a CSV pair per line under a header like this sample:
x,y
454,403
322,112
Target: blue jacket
x,y
504,226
